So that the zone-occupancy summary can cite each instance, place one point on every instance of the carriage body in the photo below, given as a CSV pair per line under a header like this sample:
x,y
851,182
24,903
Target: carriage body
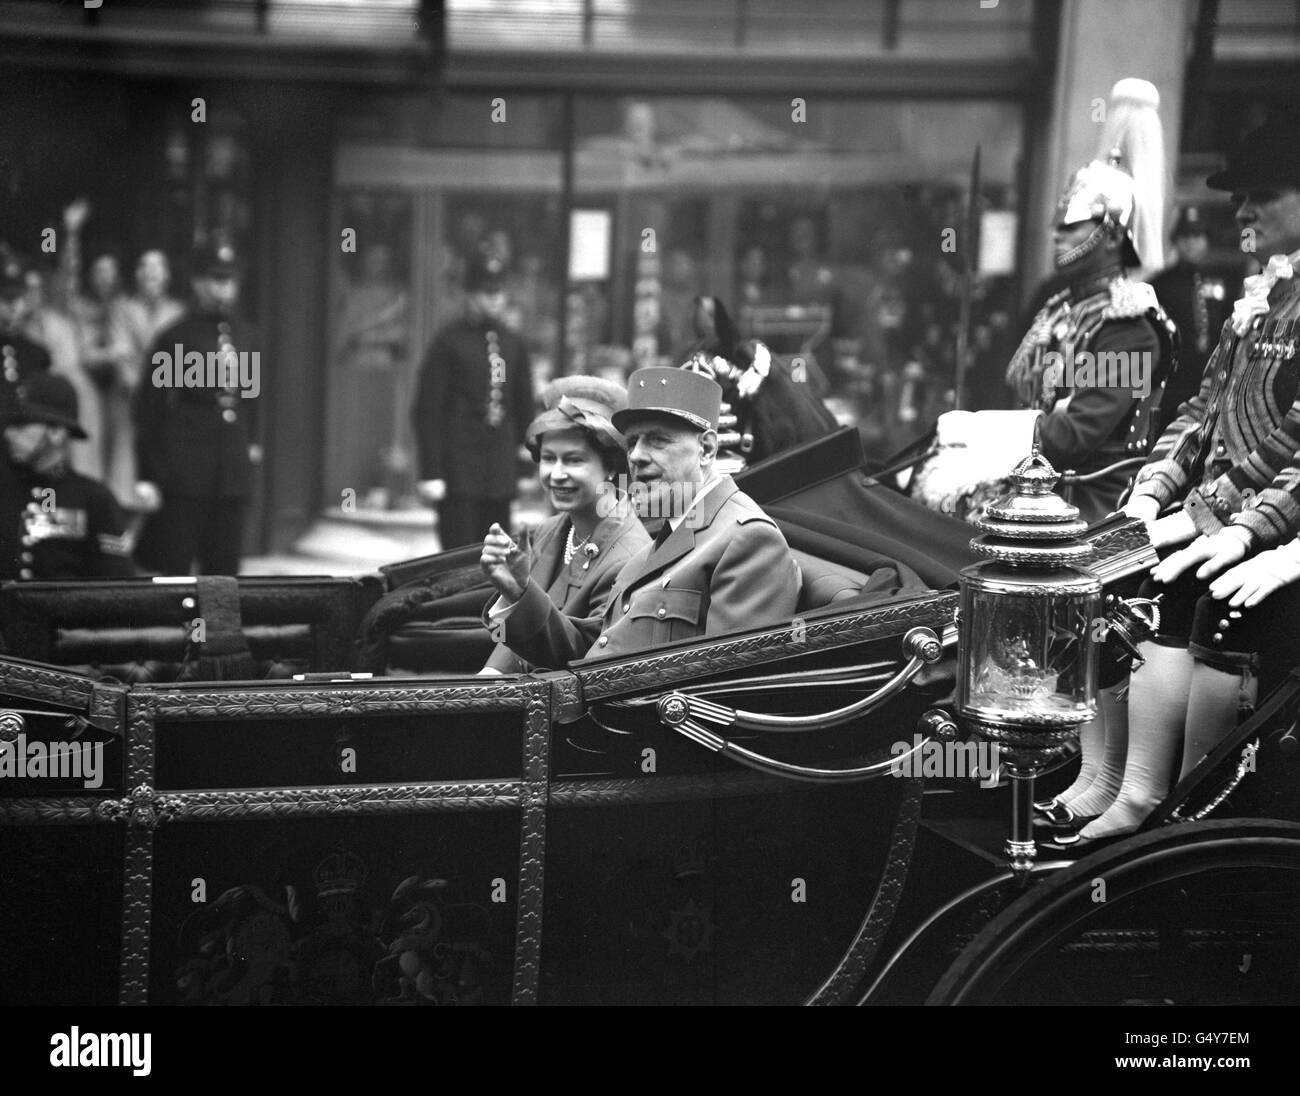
x,y
558,837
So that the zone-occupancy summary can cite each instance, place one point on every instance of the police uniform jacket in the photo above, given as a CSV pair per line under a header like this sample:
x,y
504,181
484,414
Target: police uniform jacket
x,y
19,357
1233,454
559,615
1187,294
193,442
725,567
64,526
460,439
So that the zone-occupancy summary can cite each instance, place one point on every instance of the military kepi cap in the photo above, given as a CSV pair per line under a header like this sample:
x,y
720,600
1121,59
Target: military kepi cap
x,y
680,393
1268,157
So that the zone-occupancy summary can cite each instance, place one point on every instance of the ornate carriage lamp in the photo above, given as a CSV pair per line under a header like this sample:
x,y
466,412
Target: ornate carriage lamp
x,y
1027,626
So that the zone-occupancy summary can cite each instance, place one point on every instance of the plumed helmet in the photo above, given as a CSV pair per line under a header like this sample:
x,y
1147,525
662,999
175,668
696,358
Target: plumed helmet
x,y
1124,184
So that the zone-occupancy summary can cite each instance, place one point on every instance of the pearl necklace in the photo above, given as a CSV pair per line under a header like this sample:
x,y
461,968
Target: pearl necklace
x,y
571,549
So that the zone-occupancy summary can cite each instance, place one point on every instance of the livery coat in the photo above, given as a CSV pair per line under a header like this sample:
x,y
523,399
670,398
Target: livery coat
x,y
1233,454
725,567
559,614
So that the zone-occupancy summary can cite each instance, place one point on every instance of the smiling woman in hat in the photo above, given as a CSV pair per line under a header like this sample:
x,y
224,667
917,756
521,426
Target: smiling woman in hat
x,y
553,597
54,522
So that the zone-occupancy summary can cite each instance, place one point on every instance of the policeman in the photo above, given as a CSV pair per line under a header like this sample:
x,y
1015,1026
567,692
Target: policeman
x,y
19,356
472,411
54,522
196,428
1198,301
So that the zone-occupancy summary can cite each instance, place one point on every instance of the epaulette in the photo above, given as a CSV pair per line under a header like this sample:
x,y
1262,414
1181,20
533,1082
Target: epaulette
x,y
1129,299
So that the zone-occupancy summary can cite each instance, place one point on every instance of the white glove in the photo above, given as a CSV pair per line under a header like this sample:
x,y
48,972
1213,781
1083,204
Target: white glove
x,y
148,498
432,491
1142,507
1249,583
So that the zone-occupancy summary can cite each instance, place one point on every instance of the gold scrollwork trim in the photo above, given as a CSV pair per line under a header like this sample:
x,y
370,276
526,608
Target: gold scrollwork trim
x,y
313,702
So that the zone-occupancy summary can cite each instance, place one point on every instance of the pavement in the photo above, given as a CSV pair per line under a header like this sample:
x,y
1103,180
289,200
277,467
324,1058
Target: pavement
x,y
362,541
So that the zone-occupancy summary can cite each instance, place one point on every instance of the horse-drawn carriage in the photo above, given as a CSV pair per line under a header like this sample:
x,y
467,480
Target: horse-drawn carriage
x,y
770,816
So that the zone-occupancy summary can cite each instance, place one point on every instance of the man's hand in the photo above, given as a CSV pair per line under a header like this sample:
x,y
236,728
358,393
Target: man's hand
x,y
148,498
1142,507
505,563
1177,528
432,491
76,214
1222,549
1249,583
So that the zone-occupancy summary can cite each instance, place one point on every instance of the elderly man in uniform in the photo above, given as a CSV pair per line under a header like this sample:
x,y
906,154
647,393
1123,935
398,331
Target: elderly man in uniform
x,y
718,563
473,407
196,435
54,522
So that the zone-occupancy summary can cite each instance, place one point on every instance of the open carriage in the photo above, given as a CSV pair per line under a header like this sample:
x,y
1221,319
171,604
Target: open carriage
x,y
746,818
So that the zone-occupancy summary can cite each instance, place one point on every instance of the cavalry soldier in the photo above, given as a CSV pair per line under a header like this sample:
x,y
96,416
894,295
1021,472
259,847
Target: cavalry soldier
x,y
54,522
472,410
196,428
718,563
1097,354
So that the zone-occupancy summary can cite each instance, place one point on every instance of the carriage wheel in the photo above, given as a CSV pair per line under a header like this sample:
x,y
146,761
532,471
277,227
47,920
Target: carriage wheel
x,y
1202,913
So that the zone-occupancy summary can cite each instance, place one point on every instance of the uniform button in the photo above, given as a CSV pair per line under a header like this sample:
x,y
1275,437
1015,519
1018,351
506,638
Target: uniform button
x,y
626,606
1219,450
1218,637
36,492
1224,625
662,612
25,573
26,557
602,641
228,415
29,540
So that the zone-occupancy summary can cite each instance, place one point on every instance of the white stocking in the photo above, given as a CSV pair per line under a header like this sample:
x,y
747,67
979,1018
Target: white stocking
x,y
1109,749
1157,710
1214,706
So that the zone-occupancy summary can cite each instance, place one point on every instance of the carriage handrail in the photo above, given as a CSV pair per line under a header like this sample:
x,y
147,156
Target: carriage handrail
x,y
1071,477
895,763
922,646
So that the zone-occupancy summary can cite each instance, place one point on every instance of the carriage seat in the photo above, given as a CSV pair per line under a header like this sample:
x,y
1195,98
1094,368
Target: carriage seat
x,y
141,630
825,583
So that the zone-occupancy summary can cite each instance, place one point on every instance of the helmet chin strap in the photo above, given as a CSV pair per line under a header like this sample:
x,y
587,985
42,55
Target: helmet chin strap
x,y
1084,249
